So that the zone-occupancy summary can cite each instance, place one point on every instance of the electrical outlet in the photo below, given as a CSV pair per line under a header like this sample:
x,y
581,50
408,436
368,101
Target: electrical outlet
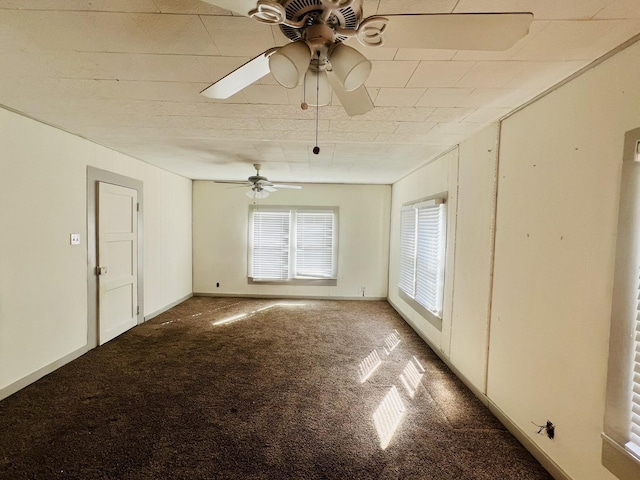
x,y
362,289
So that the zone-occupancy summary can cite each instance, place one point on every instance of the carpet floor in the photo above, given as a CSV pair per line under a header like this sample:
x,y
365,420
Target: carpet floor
x,y
227,388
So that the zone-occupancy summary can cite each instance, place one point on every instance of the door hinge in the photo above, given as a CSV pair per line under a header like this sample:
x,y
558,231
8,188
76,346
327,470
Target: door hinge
x,y
138,310
137,207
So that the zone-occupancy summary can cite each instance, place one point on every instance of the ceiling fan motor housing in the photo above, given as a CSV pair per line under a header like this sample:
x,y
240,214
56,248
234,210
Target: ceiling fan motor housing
x,y
347,17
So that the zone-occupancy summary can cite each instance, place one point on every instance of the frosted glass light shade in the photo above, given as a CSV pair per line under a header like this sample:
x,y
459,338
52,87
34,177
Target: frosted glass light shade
x,y
314,96
350,66
289,63
257,193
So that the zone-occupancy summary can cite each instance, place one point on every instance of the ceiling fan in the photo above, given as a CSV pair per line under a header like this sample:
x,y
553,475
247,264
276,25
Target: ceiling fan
x,y
320,57
260,186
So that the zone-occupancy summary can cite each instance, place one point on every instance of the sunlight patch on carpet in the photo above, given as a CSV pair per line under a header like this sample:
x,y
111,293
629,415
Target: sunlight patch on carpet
x,y
388,415
391,342
244,316
411,376
369,365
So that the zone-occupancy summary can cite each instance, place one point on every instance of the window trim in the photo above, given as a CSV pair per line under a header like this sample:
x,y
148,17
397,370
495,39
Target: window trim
x,y
329,281
615,457
430,316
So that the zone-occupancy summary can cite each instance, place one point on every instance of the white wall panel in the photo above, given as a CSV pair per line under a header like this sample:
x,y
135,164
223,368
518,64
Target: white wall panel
x,y
560,162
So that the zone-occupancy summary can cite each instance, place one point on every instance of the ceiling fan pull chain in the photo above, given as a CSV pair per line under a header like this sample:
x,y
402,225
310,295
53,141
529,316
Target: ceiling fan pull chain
x,y
316,149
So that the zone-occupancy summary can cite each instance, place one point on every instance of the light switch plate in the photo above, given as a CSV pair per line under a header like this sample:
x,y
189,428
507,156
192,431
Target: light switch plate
x,y
75,239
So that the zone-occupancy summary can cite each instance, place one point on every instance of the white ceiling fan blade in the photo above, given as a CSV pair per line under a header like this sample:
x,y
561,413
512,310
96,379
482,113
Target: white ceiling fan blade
x,y
355,102
233,182
269,188
292,187
463,31
241,77
243,7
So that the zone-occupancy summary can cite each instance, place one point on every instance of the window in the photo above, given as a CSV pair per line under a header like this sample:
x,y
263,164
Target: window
x,y
292,243
422,245
621,436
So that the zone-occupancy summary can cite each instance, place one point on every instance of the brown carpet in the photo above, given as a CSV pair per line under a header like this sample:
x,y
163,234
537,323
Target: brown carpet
x,y
276,394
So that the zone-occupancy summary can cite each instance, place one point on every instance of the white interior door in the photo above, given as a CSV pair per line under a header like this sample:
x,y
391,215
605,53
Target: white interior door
x,y
117,260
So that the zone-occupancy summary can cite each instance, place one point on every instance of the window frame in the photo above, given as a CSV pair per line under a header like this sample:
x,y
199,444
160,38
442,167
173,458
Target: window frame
x,y
293,279
433,316
616,456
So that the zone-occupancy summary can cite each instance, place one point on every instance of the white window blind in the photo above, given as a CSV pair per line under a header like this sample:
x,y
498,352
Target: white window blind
x,y
422,248
288,243
429,257
407,280
314,244
634,437
271,245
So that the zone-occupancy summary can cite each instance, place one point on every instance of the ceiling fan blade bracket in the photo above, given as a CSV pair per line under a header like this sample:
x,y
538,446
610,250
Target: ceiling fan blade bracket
x,y
370,32
269,11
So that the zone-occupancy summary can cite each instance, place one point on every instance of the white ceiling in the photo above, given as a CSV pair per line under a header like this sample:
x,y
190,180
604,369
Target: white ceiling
x,y
127,74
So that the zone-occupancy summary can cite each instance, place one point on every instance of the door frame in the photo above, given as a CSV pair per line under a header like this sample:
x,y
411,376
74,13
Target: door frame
x,y
95,175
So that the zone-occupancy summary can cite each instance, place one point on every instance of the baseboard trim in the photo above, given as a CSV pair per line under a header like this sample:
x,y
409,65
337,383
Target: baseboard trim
x,y
545,460
299,297
167,307
38,374
552,467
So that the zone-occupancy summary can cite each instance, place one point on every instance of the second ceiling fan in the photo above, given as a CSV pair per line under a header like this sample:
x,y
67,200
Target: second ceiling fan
x,y
319,54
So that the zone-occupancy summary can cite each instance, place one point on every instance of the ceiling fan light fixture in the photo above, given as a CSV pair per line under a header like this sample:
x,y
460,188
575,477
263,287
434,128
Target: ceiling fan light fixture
x,y
257,194
350,67
317,90
289,63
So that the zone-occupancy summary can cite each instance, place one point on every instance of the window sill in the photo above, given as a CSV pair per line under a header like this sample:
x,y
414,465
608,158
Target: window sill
x,y
426,314
618,460
315,282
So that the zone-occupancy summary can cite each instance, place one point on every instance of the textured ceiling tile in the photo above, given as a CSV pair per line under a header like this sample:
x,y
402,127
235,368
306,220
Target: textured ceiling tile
x,y
293,125
443,97
119,73
152,67
398,97
454,128
411,114
547,9
540,75
96,5
620,9
480,55
190,7
360,126
486,115
266,94
439,74
490,97
414,127
568,40
415,6
108,32
424,54
239,36
491,74
391,74
449,114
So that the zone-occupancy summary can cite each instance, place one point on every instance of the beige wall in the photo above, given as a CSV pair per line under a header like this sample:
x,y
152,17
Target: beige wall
x,y
220,222
43,279
555,228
